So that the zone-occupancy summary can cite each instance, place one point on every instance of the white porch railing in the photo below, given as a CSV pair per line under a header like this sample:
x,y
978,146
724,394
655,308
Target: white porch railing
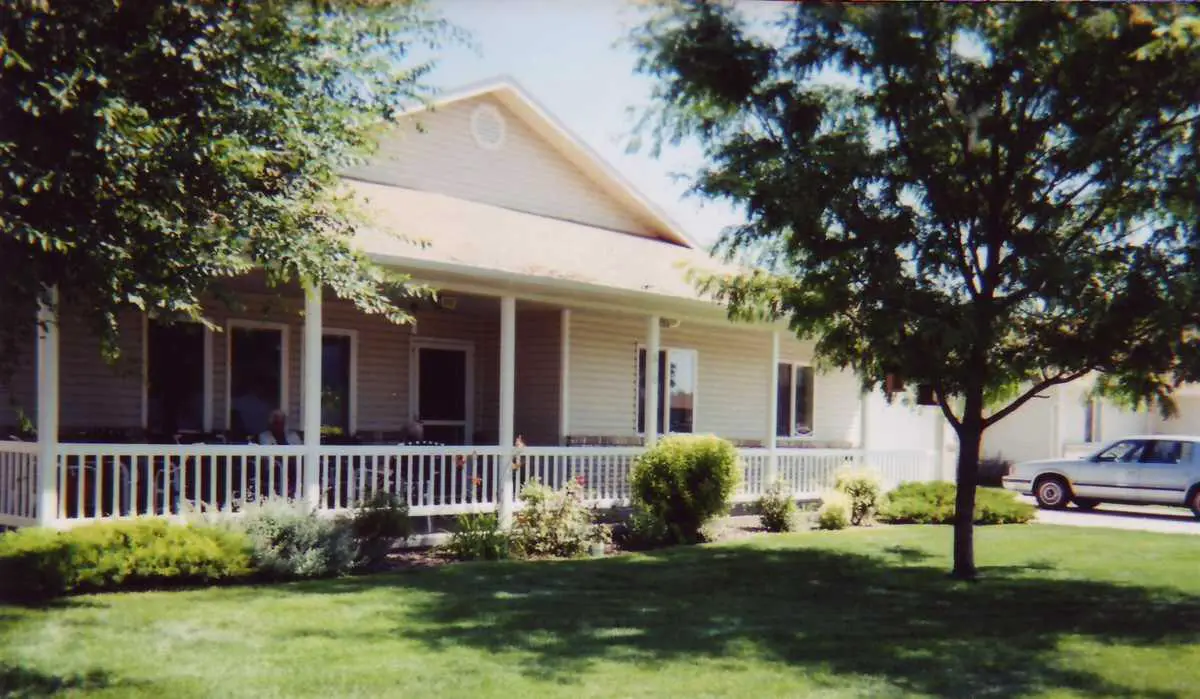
x,y
18,483
107,481
111,481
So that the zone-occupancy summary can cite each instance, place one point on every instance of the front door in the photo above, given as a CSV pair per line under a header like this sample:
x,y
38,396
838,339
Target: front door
x,y
442,390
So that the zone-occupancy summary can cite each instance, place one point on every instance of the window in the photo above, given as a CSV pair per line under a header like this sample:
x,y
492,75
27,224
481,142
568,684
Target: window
x,y
336,383
794,411
257,354
676,390
1164,452
175,368
1124,451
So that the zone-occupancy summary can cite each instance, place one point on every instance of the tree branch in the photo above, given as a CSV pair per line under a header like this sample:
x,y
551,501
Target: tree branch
x,y
1024,398
946,410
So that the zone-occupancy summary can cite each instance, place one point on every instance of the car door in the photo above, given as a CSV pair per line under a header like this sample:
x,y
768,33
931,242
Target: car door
x,y
1163,470
1109,474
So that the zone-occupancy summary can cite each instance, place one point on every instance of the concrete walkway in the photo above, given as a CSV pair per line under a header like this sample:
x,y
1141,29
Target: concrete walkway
x,y
1168,520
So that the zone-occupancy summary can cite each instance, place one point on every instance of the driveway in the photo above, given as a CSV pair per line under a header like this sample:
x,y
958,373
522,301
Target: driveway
x,y
1169,520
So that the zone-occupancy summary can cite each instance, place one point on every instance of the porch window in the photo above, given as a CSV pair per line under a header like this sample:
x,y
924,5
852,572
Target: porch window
x,y
676,390
174,377
336,384
256,377
794,416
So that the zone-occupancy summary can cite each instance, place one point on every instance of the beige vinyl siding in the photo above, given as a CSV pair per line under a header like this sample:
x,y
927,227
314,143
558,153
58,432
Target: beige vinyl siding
x,y
18,390
93,393
539,345
733,377
603,365
525,174
837,405
734,365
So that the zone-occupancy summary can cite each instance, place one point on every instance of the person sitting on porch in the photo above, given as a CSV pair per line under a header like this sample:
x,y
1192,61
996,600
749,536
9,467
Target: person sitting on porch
x,y
277,432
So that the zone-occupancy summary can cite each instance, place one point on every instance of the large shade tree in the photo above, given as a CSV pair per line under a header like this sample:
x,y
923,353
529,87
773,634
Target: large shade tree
x,y
988,200
150,147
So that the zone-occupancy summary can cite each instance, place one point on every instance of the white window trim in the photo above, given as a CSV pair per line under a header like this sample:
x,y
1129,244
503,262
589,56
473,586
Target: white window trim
x,y
414,381
206,419
353,335
791,428
285,366
664,416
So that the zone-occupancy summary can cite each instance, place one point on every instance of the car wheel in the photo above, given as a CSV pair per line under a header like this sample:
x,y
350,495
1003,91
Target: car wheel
x,y
1085,504
1052,493
1194,500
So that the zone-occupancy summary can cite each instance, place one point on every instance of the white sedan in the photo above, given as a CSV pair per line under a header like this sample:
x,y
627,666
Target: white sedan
x,y
1152,470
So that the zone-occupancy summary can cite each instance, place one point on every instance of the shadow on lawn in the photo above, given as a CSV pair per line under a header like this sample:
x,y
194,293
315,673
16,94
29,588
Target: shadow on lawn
x,y
18,682
891,617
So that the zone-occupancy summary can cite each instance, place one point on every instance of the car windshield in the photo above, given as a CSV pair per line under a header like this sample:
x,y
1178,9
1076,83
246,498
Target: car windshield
x,y
1127,450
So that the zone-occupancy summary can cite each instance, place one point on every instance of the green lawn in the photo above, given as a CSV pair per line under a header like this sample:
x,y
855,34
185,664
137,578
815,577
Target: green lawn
x,y
1061,612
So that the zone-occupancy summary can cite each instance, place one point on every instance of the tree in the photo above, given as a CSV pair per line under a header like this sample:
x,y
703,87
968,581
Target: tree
x,y
149,147
989,200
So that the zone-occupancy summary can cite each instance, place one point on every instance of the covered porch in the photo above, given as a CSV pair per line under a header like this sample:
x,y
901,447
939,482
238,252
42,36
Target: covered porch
x,y
504,387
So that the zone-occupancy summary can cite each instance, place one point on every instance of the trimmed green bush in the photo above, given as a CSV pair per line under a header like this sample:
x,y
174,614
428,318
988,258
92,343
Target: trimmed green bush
x,y
933,503
685,481
291,541
478,538
38,563
777,508
862,488
834,512
377,525
551,522
643,530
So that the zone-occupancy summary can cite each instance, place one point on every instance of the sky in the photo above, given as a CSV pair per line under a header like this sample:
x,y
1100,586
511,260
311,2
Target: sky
x,y
564,53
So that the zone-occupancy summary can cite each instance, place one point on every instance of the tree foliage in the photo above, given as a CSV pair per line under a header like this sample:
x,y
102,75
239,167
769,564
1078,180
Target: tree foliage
x,y
149,147
969,197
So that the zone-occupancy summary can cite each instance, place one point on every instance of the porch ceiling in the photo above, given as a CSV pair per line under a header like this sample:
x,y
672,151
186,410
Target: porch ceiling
x,y
481,240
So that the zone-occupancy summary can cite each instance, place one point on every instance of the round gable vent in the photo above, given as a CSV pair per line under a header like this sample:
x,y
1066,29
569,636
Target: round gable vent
x,y
488,127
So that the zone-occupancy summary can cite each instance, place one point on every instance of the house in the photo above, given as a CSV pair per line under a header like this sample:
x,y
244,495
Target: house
x,y
1068,420
565,318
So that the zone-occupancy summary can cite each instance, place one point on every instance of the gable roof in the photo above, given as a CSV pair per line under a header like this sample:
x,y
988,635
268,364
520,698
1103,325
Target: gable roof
x,y
510,93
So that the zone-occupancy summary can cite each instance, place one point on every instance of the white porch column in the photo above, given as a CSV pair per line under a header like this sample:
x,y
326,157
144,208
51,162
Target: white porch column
x,y
650,389
47,409
942,470
564,378
311,406
864,425
772,437
508,371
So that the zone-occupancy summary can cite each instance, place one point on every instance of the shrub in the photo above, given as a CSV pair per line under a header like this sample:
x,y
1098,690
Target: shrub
x,y
478,537
933,503
643,530
41,563
551,522
291,541
862,488
35,563
777,508
685,481
834,512
992,471
377,525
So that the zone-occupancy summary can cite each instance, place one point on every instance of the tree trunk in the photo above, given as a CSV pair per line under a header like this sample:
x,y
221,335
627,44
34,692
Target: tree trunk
x,y
970,434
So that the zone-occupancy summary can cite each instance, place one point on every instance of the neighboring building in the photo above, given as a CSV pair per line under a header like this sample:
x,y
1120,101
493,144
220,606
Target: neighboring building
x,y
1067,420
557,281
